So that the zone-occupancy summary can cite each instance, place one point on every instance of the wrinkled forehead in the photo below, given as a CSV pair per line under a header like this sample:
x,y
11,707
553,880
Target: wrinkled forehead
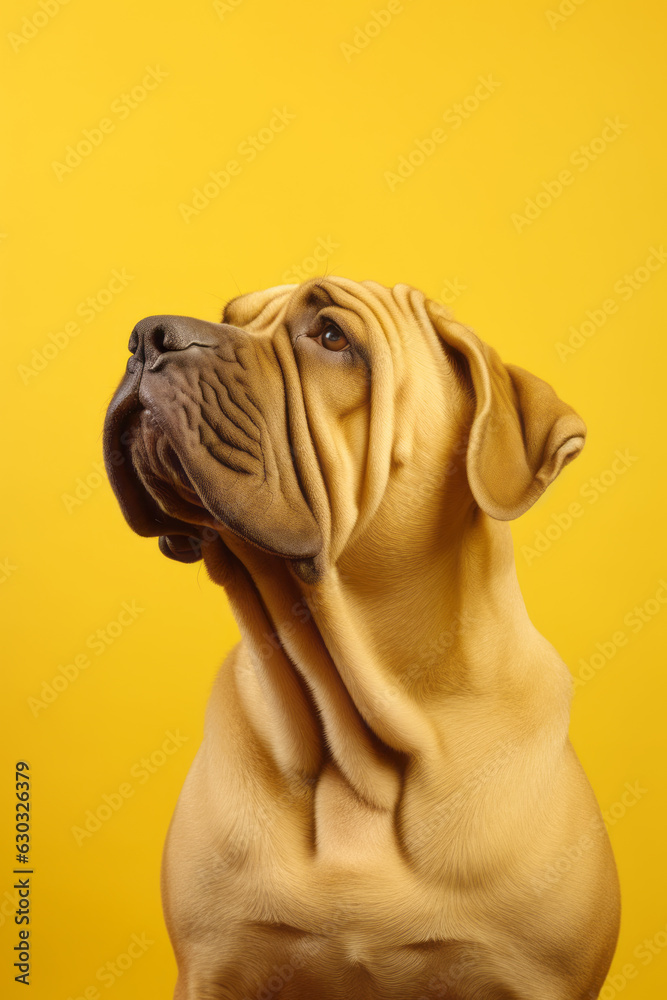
x,y
378,308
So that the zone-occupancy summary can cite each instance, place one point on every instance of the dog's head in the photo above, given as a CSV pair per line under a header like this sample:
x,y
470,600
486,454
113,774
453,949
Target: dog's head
x,y
287,423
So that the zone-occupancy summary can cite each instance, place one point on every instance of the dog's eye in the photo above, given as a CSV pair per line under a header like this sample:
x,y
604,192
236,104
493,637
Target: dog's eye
x,y
333,338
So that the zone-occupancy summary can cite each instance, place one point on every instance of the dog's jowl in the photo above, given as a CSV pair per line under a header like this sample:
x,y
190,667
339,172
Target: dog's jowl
x,y
385,803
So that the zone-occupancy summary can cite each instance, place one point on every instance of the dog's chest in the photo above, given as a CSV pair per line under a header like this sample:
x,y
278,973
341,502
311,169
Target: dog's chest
x,y
359,871
327,894
349,831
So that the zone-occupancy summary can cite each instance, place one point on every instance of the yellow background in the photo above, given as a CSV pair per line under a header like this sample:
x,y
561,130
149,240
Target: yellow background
x,y
322,178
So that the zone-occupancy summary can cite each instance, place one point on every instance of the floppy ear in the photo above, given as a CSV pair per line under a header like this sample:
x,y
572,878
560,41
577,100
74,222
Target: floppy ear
x,y
522,434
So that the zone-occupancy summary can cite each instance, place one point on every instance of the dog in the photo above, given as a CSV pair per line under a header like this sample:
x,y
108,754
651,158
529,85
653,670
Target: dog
x,y
385,803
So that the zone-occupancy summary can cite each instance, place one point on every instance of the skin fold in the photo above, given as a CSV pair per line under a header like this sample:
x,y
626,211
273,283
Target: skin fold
x,y
386,803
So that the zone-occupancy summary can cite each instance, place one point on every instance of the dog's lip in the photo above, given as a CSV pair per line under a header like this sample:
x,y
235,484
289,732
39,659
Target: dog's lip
x,y
140,509
180,548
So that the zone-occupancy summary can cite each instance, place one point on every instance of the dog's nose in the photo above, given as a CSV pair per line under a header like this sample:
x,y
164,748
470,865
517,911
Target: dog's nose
x,y
157,335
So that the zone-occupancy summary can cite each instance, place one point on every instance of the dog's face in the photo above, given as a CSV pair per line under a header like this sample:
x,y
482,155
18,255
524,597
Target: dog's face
x,y
287,423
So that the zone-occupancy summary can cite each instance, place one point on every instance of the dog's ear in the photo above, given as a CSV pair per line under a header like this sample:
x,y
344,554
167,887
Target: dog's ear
x,y
522,434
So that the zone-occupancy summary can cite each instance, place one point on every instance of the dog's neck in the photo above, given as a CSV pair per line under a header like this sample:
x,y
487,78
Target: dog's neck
x,y
372,669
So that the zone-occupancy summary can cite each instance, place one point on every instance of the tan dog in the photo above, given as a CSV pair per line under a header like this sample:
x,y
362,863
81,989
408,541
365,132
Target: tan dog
x,y
386,803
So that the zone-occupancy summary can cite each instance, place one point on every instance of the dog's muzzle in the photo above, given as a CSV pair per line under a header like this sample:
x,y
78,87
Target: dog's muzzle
x,y
197,438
